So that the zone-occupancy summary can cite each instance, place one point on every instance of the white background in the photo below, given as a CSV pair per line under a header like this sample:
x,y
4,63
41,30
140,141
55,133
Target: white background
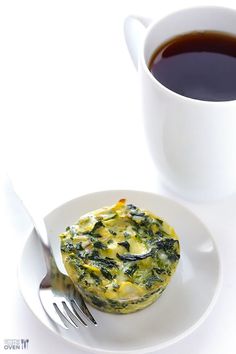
x,y
71,124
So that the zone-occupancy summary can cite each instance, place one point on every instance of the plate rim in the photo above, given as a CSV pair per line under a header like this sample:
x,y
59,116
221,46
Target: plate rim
x,y
143,350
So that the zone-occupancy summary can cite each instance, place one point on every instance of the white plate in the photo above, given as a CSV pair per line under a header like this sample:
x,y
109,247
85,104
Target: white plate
x,y
182,307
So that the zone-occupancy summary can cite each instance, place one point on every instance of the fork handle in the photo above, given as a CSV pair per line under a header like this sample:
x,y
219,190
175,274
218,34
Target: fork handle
x,y
41,231
39,226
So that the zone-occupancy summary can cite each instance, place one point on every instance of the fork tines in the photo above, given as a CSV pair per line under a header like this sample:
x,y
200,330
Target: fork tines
x,y
69,312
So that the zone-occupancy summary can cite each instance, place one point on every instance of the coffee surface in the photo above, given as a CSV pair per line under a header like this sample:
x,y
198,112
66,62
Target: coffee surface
x,y
199,65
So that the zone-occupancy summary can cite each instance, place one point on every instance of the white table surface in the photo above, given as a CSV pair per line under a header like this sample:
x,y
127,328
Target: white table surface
x,y
71,124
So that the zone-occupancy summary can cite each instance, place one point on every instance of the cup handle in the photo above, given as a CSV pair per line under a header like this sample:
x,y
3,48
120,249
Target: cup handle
x,y
134,29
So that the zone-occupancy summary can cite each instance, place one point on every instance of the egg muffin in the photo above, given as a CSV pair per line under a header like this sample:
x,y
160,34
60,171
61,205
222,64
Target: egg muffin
x,y
121,257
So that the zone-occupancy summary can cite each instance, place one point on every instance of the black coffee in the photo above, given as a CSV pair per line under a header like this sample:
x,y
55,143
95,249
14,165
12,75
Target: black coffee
x,y
200,65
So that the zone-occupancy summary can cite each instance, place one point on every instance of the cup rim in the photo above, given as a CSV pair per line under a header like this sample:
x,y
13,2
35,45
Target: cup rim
x,y
158,83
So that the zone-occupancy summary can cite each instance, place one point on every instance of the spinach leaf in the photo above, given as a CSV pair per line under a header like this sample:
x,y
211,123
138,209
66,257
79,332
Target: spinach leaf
x,y
73,230
67,246
159,221
133,257
159,270
106,273
174,257
131,270
166,244
107,262
149,282
97,301
99,244
159,233
79,247
96,278
125,244
97,226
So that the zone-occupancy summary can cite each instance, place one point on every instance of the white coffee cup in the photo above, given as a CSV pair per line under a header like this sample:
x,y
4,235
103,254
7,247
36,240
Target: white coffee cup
x,y
192,142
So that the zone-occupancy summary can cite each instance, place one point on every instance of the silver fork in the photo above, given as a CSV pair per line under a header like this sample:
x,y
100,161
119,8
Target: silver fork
x,y
59,297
